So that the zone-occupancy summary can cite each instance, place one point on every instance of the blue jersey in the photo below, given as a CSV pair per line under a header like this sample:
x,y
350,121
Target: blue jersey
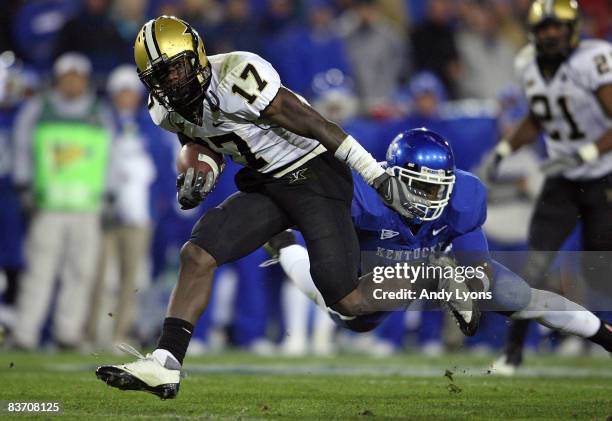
x,y
386,238
11,225
6,148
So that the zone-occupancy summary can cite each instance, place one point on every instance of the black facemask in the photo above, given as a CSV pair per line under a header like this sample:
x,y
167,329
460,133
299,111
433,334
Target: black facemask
x,y
176,83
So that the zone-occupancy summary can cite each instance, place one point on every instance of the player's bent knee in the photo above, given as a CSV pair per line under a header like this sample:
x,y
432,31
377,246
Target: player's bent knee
x,y
196,259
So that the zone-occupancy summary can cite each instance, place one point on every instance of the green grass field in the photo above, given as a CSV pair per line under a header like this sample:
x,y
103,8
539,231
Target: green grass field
x,y
240,386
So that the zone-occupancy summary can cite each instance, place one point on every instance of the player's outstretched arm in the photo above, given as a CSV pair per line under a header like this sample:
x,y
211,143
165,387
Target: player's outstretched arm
x,y
292,113
527,132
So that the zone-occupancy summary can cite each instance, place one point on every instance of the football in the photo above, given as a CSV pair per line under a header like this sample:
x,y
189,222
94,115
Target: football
x,y
201,158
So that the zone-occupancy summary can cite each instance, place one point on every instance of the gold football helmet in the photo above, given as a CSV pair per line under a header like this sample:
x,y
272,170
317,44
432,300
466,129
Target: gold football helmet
x,y
172,62
565,12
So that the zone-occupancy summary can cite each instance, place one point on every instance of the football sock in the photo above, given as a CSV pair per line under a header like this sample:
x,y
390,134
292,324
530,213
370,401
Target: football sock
x,y
295,263
603,336
166,359
175,337
12,281
517,332
558,313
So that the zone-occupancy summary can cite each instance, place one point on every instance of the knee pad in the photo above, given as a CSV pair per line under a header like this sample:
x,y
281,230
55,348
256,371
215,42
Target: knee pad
x,y
510,292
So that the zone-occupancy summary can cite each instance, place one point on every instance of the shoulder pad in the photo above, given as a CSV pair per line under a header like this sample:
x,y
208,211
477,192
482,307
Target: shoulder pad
x,y
588,61
593,47
225,63
468,205
247,84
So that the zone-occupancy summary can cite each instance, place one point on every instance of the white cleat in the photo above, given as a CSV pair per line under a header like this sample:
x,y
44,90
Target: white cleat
x,y
501,367
145,374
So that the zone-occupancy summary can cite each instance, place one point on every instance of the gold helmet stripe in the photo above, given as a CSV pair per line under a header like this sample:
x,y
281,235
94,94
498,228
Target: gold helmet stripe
x,y
150,44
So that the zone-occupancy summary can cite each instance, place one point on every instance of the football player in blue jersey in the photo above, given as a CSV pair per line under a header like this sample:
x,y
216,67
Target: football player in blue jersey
x,y
448,232
15,86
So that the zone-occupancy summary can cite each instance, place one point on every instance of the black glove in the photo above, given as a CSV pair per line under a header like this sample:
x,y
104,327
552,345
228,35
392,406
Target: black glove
x,y
399,196
192,188
557,166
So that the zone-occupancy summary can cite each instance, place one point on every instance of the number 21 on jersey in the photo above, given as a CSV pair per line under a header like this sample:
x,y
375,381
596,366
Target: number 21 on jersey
x,y
541,108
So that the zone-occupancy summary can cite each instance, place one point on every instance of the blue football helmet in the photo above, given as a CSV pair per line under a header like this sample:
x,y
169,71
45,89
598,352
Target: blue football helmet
x,y
424,160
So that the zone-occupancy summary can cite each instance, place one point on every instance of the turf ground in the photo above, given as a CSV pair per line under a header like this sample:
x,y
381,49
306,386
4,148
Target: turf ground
x,y
240,386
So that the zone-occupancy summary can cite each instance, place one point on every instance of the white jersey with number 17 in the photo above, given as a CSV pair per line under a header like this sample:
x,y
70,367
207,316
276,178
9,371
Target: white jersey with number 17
x,y
567,105
241,87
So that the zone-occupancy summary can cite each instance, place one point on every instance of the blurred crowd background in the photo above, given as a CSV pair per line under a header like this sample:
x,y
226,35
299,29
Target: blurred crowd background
x,y
89,227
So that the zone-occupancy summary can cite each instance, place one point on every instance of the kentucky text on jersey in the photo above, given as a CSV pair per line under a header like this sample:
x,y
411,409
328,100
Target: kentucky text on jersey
x,y
407,255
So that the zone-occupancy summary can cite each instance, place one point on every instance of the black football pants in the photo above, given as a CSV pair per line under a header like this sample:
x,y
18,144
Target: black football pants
x,y
561,205
315,199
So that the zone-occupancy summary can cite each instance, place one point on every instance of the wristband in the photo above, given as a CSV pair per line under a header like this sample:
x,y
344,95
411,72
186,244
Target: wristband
x,y
503,148
588,152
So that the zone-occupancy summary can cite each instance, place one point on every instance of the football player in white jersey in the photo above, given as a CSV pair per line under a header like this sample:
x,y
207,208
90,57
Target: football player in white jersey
x,y
568,83
297,172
